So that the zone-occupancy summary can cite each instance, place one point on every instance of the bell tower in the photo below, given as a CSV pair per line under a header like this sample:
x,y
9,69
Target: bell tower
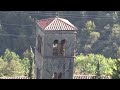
x,y
55,47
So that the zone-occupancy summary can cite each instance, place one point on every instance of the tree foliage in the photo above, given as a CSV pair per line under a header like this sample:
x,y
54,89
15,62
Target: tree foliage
x,y
87,64
9,55
91,29
98,32
29,55
2,67
116,74
90,25
14,68
12,65
25,65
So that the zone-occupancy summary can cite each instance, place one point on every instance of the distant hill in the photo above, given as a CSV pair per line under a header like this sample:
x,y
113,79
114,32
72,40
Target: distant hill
x,y
17,30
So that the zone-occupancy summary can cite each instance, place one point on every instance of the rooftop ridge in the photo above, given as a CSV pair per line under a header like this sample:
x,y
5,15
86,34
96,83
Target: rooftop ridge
x,y
54,24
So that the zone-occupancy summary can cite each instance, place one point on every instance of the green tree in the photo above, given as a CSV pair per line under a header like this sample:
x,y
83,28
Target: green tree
x,y
94,36
14,68
30,56
115,16
116,31
116,73
26,53
9,55
90,26
26,65
2,67
87,64
98,71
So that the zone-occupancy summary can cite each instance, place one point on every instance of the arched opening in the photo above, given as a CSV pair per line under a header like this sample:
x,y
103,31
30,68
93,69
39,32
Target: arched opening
x,y
55,48
54,76
57,75
39,44
62,47
60,76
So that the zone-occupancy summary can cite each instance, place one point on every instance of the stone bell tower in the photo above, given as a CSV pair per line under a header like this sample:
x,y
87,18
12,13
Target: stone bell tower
x,y
55,44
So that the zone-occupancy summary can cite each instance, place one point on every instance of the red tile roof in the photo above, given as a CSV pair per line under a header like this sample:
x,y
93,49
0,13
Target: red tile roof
x,y
90,77
44,22
20,77
55,24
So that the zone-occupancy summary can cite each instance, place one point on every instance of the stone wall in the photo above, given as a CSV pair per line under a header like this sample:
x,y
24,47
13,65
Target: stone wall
x,y
47,63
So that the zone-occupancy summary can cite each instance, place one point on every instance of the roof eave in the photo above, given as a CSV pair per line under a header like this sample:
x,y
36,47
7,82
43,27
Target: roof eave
x,y
40,28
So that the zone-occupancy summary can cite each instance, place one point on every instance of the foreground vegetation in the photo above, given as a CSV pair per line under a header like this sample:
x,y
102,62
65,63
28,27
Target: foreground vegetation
x,y
88,65
12,65
98,33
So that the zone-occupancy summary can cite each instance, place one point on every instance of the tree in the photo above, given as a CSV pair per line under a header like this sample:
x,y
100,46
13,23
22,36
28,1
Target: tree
x,y
87,64
25,65
94,36
98,71
14,68
116,73
28,54
115,17
116,31
9,55
2,67
12,65
90,26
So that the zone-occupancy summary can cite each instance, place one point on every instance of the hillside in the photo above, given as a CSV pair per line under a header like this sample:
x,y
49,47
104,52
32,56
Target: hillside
x,y
99,31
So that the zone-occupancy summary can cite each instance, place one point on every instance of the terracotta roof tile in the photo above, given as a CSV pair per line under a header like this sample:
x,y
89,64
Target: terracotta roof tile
x,y
55,24
44,22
